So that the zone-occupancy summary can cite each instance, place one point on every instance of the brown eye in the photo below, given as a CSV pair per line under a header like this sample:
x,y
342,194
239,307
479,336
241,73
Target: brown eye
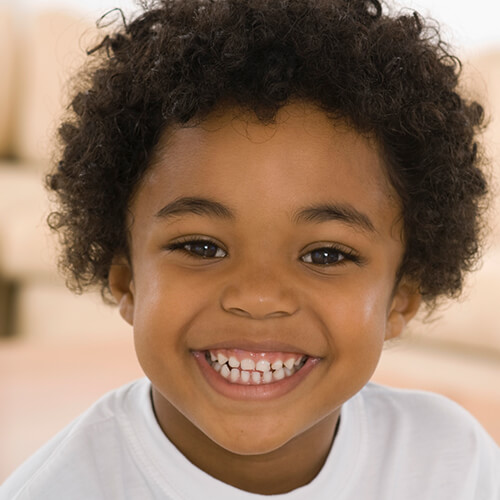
x,y
204,249
324,256
334,255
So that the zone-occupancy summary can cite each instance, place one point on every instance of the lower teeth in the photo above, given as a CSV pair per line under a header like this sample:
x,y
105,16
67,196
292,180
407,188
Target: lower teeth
x,y
234,375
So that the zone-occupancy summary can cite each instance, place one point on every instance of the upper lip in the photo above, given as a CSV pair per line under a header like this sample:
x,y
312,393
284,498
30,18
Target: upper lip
x,y
269,345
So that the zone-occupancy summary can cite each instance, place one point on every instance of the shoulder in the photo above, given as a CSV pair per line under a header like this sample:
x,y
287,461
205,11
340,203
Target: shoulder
x,y
72,457
403,400
431,437
427,415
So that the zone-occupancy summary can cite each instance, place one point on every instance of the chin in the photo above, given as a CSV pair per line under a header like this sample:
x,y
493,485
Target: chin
x,y
252,448
254,442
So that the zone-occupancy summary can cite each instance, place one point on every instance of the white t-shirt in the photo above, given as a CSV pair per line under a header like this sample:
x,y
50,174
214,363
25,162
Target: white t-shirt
x,y
391,445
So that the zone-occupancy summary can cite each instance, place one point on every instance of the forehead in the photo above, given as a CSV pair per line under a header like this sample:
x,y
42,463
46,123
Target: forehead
x,y
304,157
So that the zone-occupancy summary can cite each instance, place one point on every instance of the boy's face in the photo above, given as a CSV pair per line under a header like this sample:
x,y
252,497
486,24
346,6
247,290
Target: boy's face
x,y
300,244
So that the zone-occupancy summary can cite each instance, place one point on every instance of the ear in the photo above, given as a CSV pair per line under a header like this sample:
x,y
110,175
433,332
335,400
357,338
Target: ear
x,y
121,284
405,303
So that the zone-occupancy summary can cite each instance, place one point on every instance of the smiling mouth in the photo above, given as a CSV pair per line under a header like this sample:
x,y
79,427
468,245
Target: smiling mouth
x,y
248,368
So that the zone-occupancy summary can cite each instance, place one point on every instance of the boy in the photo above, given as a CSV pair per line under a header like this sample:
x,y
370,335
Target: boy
x,y
269,190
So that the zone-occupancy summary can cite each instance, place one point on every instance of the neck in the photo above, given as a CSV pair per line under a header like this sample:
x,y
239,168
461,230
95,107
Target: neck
x,y
294,464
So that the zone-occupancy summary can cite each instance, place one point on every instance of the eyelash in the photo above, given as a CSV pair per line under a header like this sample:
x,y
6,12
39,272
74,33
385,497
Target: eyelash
x,y
182,244
346,254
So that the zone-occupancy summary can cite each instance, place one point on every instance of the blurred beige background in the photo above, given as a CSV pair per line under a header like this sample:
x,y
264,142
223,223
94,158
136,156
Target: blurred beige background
x,y
59,352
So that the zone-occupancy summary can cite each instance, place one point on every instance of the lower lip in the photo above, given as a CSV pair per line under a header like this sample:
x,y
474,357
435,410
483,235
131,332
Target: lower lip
x,y
252,392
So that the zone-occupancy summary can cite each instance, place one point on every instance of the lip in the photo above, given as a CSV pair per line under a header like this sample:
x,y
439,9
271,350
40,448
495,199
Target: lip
x,y
252,392
251,346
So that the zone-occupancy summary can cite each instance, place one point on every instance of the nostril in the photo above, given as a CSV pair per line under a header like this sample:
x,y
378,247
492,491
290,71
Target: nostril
x,y
238,311
241,312
277,314
249,302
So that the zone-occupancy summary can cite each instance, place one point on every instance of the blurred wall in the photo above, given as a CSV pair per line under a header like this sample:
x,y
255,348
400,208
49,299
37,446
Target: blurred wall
x,y
71,351
469,26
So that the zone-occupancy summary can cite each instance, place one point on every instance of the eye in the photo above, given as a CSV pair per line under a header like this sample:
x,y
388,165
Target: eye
x,y
328,256
202,248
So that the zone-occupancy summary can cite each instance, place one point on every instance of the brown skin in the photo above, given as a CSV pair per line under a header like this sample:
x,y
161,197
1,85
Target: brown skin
x,y
262,286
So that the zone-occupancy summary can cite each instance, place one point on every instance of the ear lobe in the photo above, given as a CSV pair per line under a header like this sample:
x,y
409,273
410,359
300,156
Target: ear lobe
x,y
404,306
121,285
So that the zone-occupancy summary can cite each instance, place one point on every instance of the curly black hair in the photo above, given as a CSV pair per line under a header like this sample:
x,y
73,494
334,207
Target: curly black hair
x,y
389,75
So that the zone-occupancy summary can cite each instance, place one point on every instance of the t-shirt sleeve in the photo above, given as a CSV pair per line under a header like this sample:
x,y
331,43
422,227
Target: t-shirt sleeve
x,y
488,466
426,446
15,487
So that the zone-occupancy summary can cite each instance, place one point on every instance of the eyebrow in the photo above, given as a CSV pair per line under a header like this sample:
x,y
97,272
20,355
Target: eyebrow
x,y
323,212
197,206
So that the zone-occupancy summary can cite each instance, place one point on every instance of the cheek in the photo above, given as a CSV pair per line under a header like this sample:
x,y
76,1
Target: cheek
x,y
165,306
165,297
355,318
158,315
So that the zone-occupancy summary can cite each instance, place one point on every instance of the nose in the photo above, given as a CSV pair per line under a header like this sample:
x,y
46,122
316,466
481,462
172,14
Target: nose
x,y
258,294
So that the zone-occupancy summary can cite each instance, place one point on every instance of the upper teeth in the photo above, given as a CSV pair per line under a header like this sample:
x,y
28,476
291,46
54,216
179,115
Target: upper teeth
x,y
248,364
221,358
255,371
263,366
233,362
277,365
